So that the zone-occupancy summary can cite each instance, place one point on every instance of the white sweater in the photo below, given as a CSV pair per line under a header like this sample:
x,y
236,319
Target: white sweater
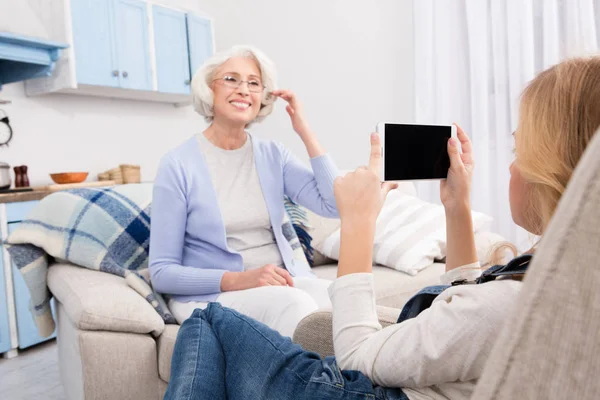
x,y
242,203
438,355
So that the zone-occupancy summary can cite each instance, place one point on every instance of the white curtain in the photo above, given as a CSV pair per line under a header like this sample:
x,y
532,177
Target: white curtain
x,y
472,60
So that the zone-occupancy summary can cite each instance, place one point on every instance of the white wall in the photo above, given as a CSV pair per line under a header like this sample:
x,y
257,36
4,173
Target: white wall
x,y
350,62
12,15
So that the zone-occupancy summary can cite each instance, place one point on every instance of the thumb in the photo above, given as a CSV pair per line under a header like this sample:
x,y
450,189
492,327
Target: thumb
x,y
386,187
289,110
453,152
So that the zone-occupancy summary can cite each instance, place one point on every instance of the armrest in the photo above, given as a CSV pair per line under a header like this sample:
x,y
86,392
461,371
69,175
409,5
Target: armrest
x,y
315,332
98,301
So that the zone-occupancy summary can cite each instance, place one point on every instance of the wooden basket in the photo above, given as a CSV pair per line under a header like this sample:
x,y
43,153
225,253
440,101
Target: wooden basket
x,y
130,173
116,175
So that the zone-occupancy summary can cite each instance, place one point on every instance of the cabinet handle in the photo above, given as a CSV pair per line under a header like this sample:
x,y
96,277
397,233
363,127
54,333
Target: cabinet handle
x,y
187,82
125,74
115,73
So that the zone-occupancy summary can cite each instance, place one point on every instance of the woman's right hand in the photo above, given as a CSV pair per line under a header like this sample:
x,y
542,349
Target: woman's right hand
x,y
455,190
267,275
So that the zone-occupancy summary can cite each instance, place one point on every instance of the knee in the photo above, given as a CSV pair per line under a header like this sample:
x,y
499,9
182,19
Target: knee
x,y
289,307
198,319
297,304
211,311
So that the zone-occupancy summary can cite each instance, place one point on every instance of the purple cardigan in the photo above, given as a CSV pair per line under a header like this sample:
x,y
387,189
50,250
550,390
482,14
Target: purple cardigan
x,y
188,245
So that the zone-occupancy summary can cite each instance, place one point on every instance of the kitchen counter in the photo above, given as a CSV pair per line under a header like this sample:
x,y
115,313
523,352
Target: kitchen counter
x,y
42,191
23,196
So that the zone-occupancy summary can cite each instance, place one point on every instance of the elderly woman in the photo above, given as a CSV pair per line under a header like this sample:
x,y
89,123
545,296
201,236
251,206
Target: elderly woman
x,y
218,205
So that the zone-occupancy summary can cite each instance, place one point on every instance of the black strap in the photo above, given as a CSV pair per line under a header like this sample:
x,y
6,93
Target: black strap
x,y
423,300
517,266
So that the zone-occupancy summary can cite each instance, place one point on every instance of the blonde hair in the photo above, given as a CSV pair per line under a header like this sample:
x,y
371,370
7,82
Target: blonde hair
x,y
203,96
559,114
497,254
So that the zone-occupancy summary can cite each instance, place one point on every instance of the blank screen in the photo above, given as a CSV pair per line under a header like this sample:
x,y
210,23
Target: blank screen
x,y
416,152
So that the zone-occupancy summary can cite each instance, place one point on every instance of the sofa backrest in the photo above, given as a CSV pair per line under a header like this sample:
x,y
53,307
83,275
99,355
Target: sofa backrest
x,y
549,348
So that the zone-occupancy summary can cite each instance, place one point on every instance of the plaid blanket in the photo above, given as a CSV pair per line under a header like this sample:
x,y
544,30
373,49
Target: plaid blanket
x,y
106,229
300,239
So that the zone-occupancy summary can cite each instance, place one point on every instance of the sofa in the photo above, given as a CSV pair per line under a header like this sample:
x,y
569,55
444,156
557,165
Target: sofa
x,y
113,345
547,349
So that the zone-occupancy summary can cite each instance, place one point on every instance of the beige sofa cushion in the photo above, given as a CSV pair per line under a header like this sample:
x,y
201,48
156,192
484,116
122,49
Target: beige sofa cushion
x,y
393,288
314,332
162,388
106,365
97,301
69,355
166,344
126,371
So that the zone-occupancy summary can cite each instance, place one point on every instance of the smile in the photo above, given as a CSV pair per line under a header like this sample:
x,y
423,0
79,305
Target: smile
x,y
240,105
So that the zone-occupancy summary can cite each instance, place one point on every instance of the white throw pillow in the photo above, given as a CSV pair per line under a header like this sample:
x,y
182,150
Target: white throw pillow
x,y
410,234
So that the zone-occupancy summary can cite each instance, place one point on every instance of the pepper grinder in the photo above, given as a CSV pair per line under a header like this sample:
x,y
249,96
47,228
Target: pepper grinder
x,y
18,177
24,176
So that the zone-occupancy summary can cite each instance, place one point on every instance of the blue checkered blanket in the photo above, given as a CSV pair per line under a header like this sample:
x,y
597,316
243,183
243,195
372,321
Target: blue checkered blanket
x,y
105,229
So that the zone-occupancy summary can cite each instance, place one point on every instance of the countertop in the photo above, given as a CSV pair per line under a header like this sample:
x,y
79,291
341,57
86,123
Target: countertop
x,y
23,196
40,192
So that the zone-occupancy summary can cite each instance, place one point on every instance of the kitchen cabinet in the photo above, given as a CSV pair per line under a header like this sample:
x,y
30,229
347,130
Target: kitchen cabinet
x,y
111,43
132,44
17,326
201,40
172,53
94,37
132,49
182,42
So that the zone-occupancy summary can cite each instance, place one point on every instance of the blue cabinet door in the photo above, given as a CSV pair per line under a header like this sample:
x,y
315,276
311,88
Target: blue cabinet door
x,y
4,328
95,57
27,331
200,41
17,212
171,47
133,49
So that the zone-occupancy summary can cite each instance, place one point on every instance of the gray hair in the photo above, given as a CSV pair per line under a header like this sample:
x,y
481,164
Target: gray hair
x,y
203,95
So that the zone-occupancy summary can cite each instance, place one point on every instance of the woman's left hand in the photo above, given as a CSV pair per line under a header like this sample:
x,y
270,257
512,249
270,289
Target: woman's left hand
x,y
455,190
295,111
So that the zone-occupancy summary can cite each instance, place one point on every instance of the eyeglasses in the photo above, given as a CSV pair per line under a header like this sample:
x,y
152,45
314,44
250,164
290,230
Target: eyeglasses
x,y
232,82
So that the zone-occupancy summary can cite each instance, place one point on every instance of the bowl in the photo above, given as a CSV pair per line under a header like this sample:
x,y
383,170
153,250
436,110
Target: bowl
x,y
69,177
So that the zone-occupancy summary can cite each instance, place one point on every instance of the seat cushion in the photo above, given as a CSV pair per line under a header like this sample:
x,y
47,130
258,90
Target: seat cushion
x,y
165,345
314,331
393,288
97,301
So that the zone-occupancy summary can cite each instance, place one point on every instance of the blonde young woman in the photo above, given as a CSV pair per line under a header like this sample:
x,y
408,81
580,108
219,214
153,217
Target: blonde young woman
x,y
218,231
440,353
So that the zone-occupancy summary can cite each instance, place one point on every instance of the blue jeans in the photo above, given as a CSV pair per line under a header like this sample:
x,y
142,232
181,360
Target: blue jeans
x,y
222,354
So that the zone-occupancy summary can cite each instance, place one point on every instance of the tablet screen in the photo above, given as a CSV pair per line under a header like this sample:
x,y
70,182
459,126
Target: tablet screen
x,y
416,151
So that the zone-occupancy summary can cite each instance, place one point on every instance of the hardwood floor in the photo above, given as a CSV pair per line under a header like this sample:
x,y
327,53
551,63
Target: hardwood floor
x,y
33,374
